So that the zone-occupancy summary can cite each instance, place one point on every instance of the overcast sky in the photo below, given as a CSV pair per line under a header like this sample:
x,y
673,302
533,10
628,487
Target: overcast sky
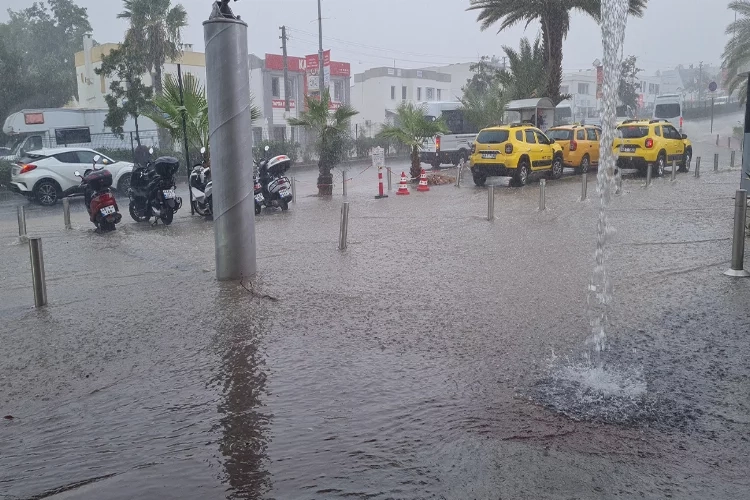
x,y
370,33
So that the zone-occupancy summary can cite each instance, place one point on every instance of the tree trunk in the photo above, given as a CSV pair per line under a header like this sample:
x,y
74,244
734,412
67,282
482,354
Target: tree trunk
x,y
416,165
137,132
325,180
165,139
554,71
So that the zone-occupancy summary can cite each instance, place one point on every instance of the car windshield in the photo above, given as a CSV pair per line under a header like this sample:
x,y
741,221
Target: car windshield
x,y
492,136
632,132
560,134
671,110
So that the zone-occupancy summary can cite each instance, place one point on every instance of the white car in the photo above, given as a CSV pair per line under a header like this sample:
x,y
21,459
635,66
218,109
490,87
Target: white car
x,y
44,174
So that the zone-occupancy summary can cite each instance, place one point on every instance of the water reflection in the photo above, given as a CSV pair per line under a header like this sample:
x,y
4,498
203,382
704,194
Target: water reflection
x,y
241,324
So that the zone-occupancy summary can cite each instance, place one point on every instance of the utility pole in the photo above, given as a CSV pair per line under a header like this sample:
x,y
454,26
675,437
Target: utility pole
x,y
286,69
320,50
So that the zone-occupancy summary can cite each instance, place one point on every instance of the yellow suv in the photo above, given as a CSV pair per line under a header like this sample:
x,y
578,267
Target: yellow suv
x,y
580,145
642,142
516,150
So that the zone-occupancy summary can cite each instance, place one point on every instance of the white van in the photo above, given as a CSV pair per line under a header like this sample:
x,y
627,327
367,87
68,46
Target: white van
x,y
669,107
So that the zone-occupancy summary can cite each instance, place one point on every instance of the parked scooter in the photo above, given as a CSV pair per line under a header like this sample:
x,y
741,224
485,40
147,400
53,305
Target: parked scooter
x,y
275,188
100,202
152,190
201,187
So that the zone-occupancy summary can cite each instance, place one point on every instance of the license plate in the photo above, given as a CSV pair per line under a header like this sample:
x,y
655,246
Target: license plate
x,y
259,198
627,149
169,194
284,193
107,210
489,156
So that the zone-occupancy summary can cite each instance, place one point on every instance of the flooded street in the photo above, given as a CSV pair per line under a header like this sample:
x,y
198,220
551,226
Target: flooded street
x,y
422,362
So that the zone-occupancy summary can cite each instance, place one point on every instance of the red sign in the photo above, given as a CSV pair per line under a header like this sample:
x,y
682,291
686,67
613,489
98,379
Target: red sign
x,y
33,118
340,69
312,61
600,75
276,62
281,103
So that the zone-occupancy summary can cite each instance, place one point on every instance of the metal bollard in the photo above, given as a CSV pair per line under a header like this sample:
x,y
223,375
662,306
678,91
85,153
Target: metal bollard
x,y
389,179
732,158
716,162
673,174
729,142
738,238
584,186
649,170
294,190
618,184
542,195
459,168
717,139
66,213
37,272
344,227
491,202
343,182
22,224
697,167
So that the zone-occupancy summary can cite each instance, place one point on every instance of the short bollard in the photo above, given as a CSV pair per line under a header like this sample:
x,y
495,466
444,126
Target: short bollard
x,y
732,158
649,170
390,182
673,174
22,224
584,186
698,167
66,213
294,190
343,182
618,184
717,139
491,202
37,272
459,168
716,162
729,142
542,195
738,238
344,227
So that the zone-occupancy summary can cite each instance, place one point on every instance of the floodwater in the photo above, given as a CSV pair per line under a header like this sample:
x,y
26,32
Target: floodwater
x,y
435,358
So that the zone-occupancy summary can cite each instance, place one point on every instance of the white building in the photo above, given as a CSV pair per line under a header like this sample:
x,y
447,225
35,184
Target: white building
x,y
582,86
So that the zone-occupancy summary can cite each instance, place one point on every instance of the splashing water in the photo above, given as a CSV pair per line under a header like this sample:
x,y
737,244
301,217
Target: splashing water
x,y
613,20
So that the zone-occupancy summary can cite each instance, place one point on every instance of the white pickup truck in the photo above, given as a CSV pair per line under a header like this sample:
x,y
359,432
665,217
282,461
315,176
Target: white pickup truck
x,y
448,148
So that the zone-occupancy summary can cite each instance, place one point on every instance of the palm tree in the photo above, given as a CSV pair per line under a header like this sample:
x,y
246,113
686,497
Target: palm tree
x,y
484,108
412,128
737,50
331,131
155,31
525,76
554,16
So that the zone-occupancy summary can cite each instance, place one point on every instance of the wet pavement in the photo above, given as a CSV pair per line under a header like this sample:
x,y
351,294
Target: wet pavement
x,y
422,362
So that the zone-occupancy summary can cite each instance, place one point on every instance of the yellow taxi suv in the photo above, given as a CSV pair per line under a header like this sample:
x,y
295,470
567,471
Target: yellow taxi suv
x,y
640,143
518,151
580,145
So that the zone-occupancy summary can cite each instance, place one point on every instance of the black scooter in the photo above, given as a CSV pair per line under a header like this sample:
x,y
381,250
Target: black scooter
x,y
152,190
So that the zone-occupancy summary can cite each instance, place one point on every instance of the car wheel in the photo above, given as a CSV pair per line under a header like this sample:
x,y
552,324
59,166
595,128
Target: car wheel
x,y
585,165
685,166
46,193
521,177
124,185
479,178
661,164
557,168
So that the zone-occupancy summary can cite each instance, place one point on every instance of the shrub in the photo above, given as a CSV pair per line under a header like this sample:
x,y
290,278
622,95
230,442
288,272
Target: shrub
x,y
5,167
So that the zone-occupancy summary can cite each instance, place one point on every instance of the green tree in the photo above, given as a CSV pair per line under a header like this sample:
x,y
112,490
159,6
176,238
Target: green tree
x,y
554,16
37,46
484,75
629,86
128,95
483,109
412,127
525,76
332,132
736,54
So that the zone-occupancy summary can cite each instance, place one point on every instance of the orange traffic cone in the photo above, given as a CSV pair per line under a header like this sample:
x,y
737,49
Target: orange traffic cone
x,y
423,182
402,188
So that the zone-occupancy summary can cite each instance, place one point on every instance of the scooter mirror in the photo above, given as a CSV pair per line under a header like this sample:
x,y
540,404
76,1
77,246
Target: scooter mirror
x,y
77,173
97,158
267,147
203,151
150,151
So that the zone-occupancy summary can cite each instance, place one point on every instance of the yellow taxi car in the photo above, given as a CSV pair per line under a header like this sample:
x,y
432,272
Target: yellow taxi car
x,y
517,150
657,142
580,145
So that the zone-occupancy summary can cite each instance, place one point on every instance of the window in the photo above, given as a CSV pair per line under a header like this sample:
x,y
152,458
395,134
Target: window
x,y
279,133
439,94
657,131
541,138
275,87
653,88
338,91
671,133
591,134
564,89
293,136
530,137
580,135
403,92
393,92
519,135
419,93
86,157
430,94
68,157
492,136
257,135
632,132
34,143
643,86
79,135
560,134
667,111
583,88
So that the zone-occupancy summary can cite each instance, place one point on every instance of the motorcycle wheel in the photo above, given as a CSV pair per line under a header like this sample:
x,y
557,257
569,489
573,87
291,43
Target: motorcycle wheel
x,y
258,208
201,209
284,205
135,210
168,216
